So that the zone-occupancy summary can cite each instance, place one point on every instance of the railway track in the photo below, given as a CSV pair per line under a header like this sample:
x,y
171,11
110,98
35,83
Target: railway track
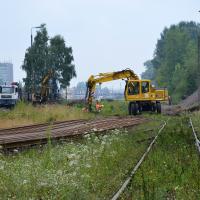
x,y
197,141
136,167
39,134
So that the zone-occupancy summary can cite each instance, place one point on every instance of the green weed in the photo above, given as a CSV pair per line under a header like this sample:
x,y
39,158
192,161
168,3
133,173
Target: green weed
x,y
171,170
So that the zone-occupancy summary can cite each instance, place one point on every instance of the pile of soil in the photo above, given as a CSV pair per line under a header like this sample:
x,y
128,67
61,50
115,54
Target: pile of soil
x,y
191,103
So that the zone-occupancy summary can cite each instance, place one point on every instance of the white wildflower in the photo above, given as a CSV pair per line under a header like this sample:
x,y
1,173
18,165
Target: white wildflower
x,y
105,137
73,162
43,184
71,155
87,135
85,176
24,182
87,165
74,174
59,172
15,151
96,139
176,188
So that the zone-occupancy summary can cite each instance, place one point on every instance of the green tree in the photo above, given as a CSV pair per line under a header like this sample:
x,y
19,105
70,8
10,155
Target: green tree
x,y
44,56
36,60
174,64
60,60
149,72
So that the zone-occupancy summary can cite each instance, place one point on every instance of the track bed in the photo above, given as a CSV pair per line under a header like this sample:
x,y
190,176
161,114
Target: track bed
x,y
38,134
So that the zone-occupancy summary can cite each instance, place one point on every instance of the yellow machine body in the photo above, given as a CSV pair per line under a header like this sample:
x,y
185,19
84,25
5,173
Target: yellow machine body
x,y
140,94
42,95
142,90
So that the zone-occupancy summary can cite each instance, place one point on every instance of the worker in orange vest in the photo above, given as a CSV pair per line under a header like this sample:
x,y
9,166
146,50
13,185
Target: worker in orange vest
x,y
98,106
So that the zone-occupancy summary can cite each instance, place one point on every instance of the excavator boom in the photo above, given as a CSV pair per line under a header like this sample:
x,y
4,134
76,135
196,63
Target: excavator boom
x,y
127,74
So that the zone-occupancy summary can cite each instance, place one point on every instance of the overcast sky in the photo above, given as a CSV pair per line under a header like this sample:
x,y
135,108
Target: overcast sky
x,y
106,35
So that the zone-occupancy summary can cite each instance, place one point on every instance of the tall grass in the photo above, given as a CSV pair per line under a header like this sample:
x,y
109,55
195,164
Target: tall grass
x,y
171,170
118,107
24,114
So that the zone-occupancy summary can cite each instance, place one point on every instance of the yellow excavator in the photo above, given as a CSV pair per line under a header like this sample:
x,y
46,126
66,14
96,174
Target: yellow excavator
x,y
141,94
42,96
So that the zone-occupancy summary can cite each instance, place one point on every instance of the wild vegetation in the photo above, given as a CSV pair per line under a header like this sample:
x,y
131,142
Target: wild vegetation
x,y
171,170
26,114
174,64
95,167
92,168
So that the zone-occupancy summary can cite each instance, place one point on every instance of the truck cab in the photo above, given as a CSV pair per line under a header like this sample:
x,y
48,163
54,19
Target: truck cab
x,y
9,95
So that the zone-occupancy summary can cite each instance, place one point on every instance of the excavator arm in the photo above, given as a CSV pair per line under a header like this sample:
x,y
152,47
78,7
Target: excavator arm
x,y
127,74
44,85
42,96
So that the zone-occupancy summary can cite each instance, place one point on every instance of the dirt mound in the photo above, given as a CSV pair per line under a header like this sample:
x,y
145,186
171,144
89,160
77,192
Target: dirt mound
x,y
191,103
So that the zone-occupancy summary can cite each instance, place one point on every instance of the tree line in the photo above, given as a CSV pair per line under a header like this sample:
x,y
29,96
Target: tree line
x,y
175,61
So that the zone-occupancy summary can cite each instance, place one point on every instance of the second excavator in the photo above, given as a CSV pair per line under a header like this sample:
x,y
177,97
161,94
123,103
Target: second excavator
x,y
42,96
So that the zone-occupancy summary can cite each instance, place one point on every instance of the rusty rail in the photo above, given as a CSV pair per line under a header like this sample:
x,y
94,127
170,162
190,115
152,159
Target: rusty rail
x,y
39,134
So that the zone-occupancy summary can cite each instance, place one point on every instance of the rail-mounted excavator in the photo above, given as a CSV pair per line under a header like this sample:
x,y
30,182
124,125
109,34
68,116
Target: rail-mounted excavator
x,y
141,94
42,96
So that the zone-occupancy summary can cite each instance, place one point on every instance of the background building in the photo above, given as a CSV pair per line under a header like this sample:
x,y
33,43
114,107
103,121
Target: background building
x,y
6,73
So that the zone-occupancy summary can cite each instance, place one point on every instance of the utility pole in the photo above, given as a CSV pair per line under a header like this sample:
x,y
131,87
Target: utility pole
x,y
33,73
198,65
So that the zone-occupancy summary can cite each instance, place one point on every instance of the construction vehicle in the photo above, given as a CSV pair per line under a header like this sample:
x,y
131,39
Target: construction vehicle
x,y
43,95
9,94
141,94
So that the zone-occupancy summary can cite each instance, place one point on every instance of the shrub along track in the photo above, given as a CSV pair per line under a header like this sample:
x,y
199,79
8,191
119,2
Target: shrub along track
x,y
39,134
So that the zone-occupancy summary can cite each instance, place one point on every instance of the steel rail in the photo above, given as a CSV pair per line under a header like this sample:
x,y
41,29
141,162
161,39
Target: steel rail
x,y
136,167
40,127
70,130
54,125
82,128
197,141
65,125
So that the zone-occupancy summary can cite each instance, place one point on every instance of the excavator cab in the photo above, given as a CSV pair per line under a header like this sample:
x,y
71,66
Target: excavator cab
x,y
138,90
